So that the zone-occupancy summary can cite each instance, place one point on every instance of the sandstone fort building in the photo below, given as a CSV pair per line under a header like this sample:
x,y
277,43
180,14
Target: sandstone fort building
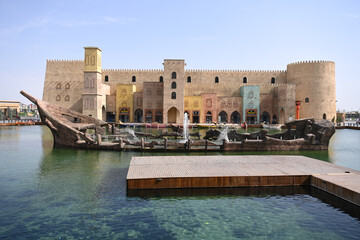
x,y
304,89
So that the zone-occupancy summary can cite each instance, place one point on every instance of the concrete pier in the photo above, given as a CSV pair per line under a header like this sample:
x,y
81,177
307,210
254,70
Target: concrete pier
x,y
242,171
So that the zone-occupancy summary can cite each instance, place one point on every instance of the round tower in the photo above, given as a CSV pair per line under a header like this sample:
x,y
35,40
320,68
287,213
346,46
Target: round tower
x,y
315,88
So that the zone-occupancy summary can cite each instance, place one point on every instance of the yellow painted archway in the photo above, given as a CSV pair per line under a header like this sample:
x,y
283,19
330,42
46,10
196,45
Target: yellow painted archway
x,y
172,115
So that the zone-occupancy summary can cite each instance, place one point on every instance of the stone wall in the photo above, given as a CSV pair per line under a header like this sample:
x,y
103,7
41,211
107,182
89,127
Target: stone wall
x,y
125,76
315,82
153,100
63,85
230,82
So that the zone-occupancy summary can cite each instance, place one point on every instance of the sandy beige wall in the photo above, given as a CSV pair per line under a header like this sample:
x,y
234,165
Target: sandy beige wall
x,y
70,76
230,82
316,81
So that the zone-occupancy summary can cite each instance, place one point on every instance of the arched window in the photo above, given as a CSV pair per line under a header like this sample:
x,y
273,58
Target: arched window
x,y
265,117
223,117
58,86
173,95
58,98
216,79
307,100
138,115
148,116
67,98
173,75
324,116
245,80
272,80
106,78
161,79
189,79
274,121
208,117
235,117
67,86
158,116
173,85
187,114
133,79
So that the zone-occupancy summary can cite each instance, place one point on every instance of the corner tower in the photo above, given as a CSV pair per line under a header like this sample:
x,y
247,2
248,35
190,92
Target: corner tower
x,y
315,88
92,96
174,90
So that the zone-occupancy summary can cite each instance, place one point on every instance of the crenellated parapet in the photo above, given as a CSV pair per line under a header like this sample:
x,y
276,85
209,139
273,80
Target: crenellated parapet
x,y
63,61
133,70
311,61
232,71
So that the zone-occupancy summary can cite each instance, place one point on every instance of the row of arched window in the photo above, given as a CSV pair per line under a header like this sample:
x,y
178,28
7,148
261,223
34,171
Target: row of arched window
x,y
173,76
67,98
133,78
67,86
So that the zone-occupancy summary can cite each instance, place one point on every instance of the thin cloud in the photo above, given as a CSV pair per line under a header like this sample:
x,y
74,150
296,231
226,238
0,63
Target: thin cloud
x,y
73,23
78,23
201,39
121,21
110,19
353,16
20,28
100,21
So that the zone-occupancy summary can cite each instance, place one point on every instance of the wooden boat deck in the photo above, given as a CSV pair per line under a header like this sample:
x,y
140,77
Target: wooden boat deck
x,y
242,171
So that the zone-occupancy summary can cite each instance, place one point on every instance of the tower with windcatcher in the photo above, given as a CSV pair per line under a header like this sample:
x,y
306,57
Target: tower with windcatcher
x,y
174,90
94,93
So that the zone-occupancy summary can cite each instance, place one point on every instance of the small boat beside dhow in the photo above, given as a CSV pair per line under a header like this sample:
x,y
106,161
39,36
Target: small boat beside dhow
x,y
271,126
207,125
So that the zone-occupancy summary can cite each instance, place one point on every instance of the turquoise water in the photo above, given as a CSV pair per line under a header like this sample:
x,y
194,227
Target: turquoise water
x,y
50,193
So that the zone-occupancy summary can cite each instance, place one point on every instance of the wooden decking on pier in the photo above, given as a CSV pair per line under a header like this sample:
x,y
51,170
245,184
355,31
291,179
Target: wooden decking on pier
x,y
242,171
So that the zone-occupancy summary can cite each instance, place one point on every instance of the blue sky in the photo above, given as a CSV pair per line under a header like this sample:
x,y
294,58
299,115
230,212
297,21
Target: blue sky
x,y
246,35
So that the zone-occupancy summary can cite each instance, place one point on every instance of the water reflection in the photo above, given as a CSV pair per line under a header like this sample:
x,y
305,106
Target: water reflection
x,y
66,193
344,148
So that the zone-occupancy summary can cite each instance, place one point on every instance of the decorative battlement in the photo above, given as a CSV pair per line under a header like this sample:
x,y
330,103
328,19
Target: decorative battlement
x,y
233,71
195,70
64,61
311,61
132,70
